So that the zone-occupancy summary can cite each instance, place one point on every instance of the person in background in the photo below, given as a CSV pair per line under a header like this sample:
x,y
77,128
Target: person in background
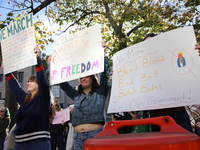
x,y
52,110
179,114
124,116
194,111
4,125
89,100
57,131
9,143
32,118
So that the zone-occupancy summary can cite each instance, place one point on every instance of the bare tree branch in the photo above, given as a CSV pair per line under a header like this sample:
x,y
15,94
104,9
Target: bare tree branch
x,y
43,5
84,14
135,28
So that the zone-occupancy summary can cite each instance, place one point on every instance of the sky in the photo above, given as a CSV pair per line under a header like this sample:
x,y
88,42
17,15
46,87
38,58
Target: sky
x,y
41,14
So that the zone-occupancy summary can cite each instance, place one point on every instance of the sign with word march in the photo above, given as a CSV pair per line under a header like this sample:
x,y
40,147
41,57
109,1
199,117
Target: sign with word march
x,y
77,55
160,72
17,43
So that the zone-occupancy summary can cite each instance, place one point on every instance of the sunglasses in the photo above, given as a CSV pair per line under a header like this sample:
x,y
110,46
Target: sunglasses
x,y
55,105
84,77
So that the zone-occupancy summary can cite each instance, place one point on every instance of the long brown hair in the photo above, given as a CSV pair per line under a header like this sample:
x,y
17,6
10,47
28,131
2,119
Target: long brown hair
x,y
51,111
94,86
29,96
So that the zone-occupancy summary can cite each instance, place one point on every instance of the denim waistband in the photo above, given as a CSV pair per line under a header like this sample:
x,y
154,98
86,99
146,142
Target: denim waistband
x,y
90,132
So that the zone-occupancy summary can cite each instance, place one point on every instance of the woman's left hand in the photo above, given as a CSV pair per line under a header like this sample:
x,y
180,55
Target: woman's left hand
x,y
110,76
198,124
63,123
37,51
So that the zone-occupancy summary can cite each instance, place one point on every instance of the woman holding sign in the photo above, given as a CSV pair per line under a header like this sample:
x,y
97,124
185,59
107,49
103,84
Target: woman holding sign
x,y
179,114
32,118
88,112
57,131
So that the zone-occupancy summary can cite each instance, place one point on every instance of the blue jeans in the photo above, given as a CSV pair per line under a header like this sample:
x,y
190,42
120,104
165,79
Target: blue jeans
x,y
79,138
2,143
38,144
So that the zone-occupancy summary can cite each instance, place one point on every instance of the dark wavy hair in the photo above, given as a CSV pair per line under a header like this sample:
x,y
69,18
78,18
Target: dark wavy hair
x,y
149,35
95,84
51,111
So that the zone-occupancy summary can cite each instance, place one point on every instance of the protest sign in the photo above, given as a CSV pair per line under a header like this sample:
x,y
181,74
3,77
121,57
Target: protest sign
x,y
77,55
61,115
17,43
160,72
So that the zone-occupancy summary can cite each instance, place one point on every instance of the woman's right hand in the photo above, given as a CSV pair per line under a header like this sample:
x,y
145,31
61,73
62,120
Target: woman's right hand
x,y
198,124
49,59
36,51
110,76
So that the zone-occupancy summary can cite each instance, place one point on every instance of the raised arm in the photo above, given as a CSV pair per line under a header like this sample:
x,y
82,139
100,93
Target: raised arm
x,y
69,90
43,84
15,88
104,78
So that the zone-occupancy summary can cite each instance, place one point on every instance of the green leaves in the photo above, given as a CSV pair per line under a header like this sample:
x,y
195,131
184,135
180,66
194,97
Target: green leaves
x,y
123,22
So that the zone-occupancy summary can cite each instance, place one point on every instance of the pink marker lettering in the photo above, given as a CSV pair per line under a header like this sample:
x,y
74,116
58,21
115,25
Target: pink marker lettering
x,y
54,73
62,70
95,64
68,71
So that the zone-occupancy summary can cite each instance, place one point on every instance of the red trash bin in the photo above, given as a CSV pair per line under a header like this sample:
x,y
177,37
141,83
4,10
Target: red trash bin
x,y
171,137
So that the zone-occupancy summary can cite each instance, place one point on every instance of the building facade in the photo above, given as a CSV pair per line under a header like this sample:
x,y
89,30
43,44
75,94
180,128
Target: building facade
x,y
23,76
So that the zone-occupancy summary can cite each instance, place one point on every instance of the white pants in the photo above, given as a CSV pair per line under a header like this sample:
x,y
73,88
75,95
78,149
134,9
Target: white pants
x,y
70,139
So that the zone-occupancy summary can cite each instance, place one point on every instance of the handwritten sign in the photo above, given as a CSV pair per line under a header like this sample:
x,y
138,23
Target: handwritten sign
x,y
17,43
77,55
160,72
61,115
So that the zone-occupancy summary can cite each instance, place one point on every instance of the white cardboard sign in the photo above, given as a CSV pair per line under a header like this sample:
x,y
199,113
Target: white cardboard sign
x,y
77,55
17,43
160,72
63,115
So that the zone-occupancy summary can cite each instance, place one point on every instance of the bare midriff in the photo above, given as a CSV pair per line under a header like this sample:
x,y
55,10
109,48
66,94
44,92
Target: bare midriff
x,y
87,127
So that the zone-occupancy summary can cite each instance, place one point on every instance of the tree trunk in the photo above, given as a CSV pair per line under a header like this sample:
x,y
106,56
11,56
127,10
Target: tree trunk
x,y
11,103
41,6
